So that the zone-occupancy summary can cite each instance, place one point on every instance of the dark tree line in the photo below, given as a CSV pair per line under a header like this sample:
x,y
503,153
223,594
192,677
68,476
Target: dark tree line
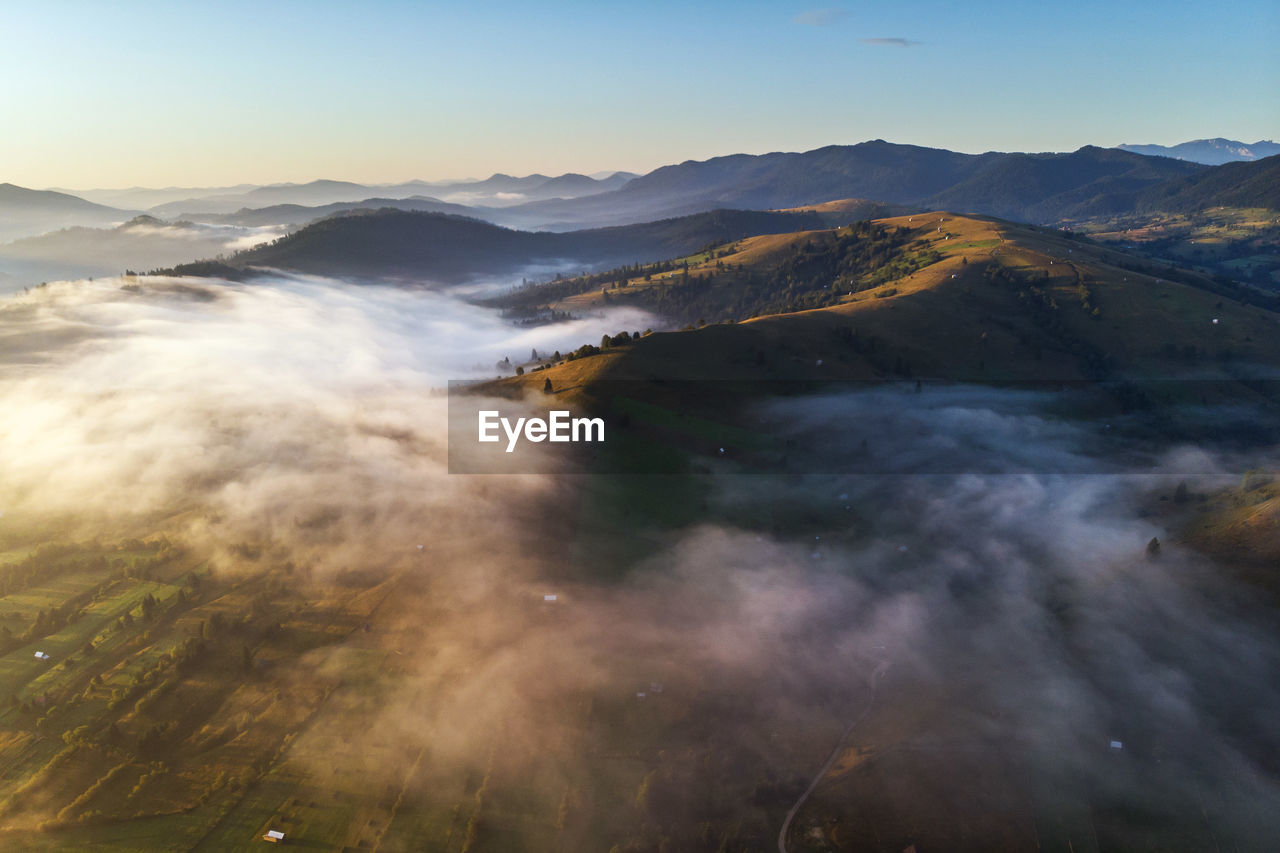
x,y
814,274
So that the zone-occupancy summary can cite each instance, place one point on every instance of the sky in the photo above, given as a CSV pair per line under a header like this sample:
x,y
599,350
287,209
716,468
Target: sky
x,y
208,94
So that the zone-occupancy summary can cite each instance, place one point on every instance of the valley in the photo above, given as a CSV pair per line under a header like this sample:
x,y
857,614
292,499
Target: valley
x,y
934,509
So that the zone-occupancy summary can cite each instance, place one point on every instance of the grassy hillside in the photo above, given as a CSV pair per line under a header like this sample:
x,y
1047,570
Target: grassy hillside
x,y
999,304
166,694
947,297
1237,525
1223,221
956,299
1232,244
183,708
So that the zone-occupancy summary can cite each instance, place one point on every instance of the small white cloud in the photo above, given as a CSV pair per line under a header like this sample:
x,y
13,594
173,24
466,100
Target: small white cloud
x,y
820,17
891,42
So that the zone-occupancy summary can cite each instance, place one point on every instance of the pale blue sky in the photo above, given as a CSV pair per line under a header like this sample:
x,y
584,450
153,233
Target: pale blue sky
x,y
98,94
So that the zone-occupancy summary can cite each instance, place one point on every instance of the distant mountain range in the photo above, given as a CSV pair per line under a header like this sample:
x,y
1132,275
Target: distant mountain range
x,y
1211,152
497,191
144,198
1039,188
1087,184
441,247
24,212
298,214
503,190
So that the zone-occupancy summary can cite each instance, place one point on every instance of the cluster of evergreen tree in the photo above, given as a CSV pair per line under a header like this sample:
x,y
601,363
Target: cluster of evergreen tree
x,y
46,562
531,298
815,274
1037,300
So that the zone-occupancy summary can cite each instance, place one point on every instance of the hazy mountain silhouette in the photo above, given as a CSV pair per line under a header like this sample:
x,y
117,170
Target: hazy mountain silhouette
x,y
297,214
24,212
1211,152
498,190
1036,187
141,243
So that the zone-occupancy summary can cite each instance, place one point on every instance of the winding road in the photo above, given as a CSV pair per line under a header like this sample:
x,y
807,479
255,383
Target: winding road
x,y
881,668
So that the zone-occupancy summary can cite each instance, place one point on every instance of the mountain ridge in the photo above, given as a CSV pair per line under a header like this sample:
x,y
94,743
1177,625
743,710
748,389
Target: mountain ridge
x,y
1211,152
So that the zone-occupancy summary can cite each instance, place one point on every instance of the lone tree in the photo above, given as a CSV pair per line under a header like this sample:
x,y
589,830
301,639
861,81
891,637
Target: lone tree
x,y
1153,548
546,386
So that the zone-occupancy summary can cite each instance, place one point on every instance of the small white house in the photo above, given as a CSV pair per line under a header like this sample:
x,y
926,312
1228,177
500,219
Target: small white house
x,y
274,836
550,597
1115,744
42,655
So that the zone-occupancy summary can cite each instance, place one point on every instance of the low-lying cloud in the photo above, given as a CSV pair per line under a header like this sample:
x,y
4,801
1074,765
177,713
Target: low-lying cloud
x,y
142,393
307,416
135,245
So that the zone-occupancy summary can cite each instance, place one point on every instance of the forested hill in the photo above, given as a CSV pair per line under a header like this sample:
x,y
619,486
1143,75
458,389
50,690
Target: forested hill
x,y
445,248
1040,188
1244,184
936,296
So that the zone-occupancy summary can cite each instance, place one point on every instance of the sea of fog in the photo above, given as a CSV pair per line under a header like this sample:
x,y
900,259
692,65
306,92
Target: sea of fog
x,y
307,414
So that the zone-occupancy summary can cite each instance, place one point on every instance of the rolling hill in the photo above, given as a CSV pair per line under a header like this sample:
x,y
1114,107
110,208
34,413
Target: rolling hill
x,y
982,300
438,247
1046,188
1248,184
